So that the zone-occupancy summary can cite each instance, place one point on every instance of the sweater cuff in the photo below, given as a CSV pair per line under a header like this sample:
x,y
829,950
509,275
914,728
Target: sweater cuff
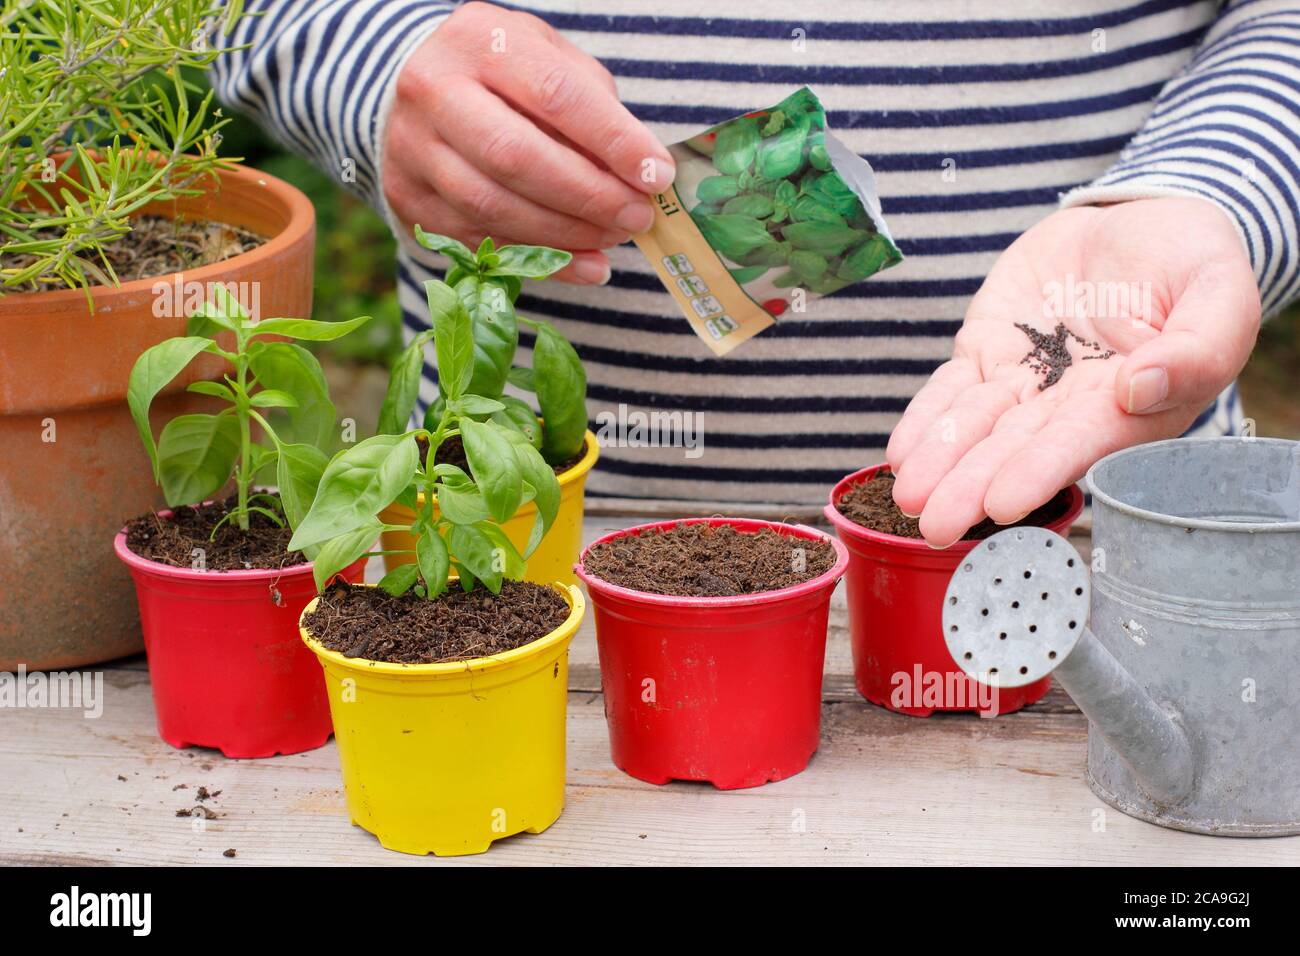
x,y
1100,194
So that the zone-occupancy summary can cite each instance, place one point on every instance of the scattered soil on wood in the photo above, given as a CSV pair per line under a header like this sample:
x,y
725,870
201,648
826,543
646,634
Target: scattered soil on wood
x,y
172,540
452,452
1050,355
157,246
457,626
699,560
871,504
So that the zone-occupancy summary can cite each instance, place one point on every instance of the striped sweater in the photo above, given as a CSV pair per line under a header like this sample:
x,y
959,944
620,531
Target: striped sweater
x,y
977,128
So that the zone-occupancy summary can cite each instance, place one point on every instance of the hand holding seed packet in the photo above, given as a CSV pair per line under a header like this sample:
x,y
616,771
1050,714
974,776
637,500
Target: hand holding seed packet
x,y
767,210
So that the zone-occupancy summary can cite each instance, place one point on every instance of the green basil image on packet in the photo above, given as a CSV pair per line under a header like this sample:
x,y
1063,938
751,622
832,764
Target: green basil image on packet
x,y
767,210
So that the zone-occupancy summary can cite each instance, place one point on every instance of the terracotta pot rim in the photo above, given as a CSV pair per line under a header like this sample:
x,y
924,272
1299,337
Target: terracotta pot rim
x,y
744,525
301,220
871,536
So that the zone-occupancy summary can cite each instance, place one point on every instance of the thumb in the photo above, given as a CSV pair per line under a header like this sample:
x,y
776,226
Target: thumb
x,y
1204,344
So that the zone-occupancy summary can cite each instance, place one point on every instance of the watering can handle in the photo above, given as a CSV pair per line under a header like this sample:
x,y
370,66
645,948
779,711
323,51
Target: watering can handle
x,y
1016,610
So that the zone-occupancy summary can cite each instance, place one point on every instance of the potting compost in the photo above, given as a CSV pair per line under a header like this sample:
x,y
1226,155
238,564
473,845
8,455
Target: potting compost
x,y
408,629
180,539
767,210
700,560
871,504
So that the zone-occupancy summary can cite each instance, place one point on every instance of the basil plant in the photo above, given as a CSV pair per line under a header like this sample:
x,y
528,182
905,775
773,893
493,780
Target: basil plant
x,y
464,534
487,283
196,455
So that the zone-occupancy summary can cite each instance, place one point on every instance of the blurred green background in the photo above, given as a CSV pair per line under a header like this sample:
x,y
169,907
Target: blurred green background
x,y
355,276
355,253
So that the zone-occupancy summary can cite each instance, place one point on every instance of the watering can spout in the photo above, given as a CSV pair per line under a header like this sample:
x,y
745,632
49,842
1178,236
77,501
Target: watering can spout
x,y
1016,611
1144,734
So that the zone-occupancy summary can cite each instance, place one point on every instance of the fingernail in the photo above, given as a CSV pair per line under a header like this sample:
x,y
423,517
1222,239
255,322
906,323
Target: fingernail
x,y
591,271
657,173
635,217
1147,389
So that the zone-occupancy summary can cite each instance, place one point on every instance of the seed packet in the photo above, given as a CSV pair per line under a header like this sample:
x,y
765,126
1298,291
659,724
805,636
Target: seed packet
x,y
767,210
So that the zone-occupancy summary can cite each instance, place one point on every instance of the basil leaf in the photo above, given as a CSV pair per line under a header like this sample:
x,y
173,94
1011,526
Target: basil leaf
x,y
508,556
752,205
522,378
298,471
399,580
456,251
309,330
561,394
355,485
546,489
866,260
196,456
495,330
732,236
433,559
516,414
215,389
476,552
290,368
453,338
532,262
461,505
715,189
477,405
495,469
403,387
340,552
822,237
156,366
736,146
272,398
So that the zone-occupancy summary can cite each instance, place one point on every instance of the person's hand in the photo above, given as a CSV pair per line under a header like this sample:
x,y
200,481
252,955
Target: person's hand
x,y
502,127
981,438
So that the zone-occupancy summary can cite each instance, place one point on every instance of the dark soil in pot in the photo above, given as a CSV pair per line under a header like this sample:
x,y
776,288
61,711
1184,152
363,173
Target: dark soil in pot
x,y
699,560
452,452
871,504
159,246
456,626
172,540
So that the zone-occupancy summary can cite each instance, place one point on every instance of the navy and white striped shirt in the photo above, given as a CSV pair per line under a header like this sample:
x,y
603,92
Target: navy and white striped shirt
x,y
976,127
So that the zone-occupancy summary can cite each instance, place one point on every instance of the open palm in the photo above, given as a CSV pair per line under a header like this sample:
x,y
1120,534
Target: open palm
x,y
1164,284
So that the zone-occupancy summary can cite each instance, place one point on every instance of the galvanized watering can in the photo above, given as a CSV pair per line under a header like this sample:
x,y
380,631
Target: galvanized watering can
x,y
1184,651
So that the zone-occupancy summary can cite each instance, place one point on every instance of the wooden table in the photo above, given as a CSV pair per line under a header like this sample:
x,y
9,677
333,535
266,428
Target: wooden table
x,y
882,789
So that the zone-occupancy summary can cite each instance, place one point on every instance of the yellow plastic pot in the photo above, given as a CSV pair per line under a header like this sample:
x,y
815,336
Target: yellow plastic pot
x,y
555,556
446,758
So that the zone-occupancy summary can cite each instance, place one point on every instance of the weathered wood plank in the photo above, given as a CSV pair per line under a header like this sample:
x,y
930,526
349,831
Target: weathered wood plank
x,y
883,789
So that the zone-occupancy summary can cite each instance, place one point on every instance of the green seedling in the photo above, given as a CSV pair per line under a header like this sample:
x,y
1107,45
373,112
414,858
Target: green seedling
x,y
487,283
506,468
196,455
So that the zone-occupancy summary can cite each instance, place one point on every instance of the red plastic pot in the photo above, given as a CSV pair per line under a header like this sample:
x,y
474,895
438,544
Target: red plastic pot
x,y
227,665
895,592
723,689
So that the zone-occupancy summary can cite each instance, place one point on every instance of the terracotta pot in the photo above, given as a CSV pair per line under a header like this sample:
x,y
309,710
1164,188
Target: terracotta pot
x,y
73,467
